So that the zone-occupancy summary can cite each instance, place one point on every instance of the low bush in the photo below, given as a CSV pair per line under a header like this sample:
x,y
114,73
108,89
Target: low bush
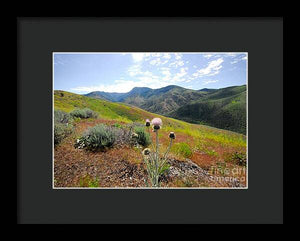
x,y
84,113
61,116
97,138
61,130
239,158
143,136
62,126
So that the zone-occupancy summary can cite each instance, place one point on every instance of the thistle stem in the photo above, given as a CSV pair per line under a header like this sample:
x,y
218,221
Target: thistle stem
x,y
168,149
151,140
167,152
157,157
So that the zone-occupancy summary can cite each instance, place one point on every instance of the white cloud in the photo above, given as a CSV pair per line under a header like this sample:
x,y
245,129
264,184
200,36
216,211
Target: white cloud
x,y
213,68
149,69
230,54
238,59
119,86
134,70
178,56
158,59
137,57
155,61
166,73
167,56
176,63
209,81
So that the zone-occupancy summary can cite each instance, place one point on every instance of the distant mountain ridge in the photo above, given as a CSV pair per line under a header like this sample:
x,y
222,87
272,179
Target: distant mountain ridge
x,y
223,108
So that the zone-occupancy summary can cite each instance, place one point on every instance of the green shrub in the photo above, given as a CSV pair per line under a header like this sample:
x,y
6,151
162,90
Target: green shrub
x,y
183,149
117,125
84,113
143,136
240,158
97,137
237,158
61,116
88,181
61,131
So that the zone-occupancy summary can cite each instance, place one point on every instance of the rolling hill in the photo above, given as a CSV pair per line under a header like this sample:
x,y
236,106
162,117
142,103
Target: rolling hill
x,y
223,108
196,148
67,101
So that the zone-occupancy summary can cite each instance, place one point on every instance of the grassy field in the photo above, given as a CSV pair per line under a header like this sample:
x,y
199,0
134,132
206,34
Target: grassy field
x,y
214,150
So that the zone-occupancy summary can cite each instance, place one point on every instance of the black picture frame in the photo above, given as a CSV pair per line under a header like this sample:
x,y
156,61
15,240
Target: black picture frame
x,y
262,38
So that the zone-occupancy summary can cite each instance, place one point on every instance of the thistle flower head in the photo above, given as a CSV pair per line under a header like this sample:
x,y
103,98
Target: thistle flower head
x,y
172,135
146,151
147,122
157,123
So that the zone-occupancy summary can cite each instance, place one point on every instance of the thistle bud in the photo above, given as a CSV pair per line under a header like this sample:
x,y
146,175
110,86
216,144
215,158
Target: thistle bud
x,y
156,127
172,135
146,151
147,122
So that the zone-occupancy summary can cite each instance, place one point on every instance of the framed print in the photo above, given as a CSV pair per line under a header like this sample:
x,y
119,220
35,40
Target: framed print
x,y
181,135
119,114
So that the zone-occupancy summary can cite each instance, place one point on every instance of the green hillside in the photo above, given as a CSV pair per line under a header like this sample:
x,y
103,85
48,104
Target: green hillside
x,y
67,102
160,101
225,109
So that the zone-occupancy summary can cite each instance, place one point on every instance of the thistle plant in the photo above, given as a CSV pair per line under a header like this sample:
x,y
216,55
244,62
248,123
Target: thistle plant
x,y
156,163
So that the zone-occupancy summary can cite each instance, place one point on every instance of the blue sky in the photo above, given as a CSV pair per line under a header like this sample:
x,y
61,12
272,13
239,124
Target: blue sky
x,y
120,72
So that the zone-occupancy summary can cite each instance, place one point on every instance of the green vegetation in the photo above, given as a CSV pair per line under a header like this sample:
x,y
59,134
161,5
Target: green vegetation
x,y
204,145
61,116
143,136
182,149
124,114
105,109
222,108
238,158
83,113
117,125
61,131
87,181
156,162
62,126
97,137
225,109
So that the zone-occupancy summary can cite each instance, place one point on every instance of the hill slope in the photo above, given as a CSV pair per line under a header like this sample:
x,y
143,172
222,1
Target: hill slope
x,y
160,101
67,101
225,109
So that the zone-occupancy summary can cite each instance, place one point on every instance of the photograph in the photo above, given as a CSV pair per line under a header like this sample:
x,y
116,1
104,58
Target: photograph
x,y
150,120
